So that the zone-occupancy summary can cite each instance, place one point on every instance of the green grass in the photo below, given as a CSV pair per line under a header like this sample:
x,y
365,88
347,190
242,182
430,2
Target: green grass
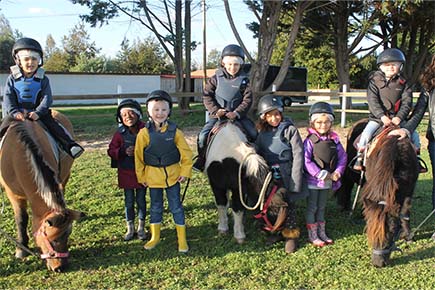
x,y
101,259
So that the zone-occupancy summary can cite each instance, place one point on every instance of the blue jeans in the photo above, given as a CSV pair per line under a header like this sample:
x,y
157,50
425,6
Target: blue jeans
x,y
431,149
175,206
415,139
247,124
367,134
129,197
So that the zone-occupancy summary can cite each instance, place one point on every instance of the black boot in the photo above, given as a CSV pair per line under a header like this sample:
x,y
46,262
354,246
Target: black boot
x,y
358,166
200,160
76,150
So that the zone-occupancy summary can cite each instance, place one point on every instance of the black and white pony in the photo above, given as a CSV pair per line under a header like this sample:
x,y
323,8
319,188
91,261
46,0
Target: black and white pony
x,y
228,155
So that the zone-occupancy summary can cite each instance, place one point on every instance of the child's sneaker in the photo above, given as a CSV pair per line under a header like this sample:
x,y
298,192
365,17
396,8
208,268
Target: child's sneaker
x,y
358,166
422,165
76,151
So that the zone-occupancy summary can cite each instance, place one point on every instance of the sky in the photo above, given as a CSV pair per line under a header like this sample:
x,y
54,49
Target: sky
x,y
37,19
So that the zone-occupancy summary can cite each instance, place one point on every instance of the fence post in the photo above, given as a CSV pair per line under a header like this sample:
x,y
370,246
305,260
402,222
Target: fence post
x,y
119,92
2,100
343,106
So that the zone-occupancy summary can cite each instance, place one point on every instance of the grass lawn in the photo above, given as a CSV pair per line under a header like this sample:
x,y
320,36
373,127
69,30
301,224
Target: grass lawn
x,y
101,259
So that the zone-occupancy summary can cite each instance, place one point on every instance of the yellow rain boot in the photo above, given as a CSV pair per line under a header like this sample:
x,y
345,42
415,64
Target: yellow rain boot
x,y
155,237
182,242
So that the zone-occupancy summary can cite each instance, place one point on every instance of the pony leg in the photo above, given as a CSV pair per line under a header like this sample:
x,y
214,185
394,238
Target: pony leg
x,y
21,220
223,219
404,219
239,230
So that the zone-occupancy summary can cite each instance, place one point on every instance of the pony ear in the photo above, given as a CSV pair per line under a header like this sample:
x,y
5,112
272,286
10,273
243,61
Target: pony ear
x,y
75,215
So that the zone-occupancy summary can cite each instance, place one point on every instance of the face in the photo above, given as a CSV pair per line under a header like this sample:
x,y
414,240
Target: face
x,y
158,111
322,124
28,62
128,117
390,69
231,65
273,118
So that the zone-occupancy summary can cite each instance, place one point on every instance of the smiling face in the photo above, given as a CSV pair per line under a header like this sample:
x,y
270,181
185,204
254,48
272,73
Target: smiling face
x,y
273,118
159,111
322,124
232,64
29,61
390,69
129,117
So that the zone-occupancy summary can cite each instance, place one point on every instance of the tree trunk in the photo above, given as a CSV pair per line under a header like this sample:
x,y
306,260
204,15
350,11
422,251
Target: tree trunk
x,y
184,102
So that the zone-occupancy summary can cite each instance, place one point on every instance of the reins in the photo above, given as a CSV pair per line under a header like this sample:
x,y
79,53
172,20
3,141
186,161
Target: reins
x,y
260,201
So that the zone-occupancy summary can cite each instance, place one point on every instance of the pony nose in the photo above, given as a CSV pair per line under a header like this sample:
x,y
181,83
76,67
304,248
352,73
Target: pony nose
x,y
57,265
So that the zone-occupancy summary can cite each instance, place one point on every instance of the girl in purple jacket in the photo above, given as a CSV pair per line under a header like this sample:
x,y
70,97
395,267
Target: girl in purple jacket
x,y
121,150
325,162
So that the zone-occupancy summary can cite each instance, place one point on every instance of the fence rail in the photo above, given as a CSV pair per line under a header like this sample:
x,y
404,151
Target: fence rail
x,y
343,97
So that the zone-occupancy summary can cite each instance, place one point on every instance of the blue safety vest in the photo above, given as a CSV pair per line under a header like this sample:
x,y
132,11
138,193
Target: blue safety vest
x,y
228,93
28,90
162,150
129,140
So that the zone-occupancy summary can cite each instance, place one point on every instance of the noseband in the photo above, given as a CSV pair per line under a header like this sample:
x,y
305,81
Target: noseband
x,y
51,254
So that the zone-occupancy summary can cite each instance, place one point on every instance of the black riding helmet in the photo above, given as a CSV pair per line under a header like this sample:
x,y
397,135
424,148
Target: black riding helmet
x,y
391,55
27,43
321,107
128,103
269,103
233,50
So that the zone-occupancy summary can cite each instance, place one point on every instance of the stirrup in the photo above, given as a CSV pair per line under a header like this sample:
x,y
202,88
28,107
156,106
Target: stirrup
x,y
76,151
358,166
422,165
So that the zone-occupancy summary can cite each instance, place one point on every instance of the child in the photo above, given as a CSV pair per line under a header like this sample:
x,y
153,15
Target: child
x,y
388,95
226,94
280,144
163,159
121,150
325,162
28,94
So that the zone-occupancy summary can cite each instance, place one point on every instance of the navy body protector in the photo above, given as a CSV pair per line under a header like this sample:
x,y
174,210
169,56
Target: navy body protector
x,y
129,140
276,151
162,150
228,91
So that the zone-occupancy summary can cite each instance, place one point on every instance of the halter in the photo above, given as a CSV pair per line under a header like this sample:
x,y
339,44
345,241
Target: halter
x,y
51,254
263,213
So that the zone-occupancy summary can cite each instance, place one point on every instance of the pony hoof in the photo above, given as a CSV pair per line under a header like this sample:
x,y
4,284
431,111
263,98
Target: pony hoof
x,y
222,233
240,241
20,254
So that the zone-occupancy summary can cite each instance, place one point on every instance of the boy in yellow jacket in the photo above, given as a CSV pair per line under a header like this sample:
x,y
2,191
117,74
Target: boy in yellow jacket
x,y
163,159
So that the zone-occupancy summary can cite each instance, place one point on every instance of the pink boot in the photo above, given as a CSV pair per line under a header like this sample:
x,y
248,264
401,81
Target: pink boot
x,y
312,236
322,234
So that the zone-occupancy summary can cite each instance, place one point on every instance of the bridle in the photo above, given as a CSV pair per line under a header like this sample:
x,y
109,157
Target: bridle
x,y
51,254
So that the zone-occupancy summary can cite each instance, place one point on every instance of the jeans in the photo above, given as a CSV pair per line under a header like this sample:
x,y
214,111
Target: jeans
x,y
415,139
316,205
431,149
175,206
129,197
247,124
367,134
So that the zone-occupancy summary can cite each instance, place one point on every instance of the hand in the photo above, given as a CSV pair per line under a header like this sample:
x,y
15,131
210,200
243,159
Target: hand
x,y
181,179
33,116
396,121
402,133
129,150
19,116
386,120
231,115
335,176
220,113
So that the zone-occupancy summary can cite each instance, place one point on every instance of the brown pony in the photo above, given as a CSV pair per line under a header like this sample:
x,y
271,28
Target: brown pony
x,y
391,175
34,171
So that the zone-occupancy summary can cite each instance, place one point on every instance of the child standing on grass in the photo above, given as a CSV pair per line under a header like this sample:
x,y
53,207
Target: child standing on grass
x,y
28,94
121,150
163,159
325,162
280,144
